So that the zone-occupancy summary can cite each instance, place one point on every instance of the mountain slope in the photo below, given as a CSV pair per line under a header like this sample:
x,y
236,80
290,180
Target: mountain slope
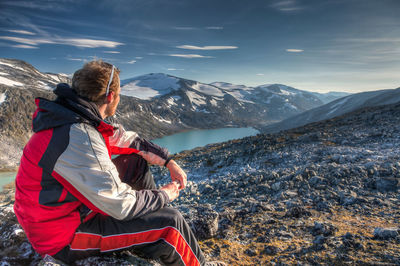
x,y
19,74
336,108
314,194
229,104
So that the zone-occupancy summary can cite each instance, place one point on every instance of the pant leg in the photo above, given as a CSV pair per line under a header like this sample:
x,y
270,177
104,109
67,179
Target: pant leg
x,y
163,234
134,171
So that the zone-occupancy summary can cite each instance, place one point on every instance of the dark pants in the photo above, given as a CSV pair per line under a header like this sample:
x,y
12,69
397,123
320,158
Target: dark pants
x,y
163,234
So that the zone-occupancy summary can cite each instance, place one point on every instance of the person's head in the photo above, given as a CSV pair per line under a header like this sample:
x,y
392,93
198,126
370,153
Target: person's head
x,y
92,82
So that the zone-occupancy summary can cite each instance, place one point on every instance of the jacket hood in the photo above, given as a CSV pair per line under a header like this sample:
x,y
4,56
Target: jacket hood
x,y
68,108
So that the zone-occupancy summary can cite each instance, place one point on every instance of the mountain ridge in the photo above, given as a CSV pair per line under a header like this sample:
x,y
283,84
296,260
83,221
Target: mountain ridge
x,y
336,108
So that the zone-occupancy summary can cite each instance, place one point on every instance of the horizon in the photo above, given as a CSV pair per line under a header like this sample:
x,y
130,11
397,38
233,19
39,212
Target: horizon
x,y
318,46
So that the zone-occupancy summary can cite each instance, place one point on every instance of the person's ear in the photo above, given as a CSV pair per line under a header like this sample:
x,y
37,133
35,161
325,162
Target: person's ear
x,y
110,97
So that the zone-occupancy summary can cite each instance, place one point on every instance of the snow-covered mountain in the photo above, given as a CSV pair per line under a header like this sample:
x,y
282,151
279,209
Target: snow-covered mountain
x,y
19,74
219,101
338,107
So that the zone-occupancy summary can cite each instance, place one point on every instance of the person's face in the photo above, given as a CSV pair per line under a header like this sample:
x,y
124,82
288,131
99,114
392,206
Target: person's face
x,y
112,106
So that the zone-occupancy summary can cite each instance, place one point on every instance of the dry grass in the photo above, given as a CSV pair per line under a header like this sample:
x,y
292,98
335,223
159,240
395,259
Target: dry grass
x,y
234,252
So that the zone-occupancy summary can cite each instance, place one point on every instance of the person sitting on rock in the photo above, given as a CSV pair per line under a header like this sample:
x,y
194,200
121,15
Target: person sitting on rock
x,y
73,200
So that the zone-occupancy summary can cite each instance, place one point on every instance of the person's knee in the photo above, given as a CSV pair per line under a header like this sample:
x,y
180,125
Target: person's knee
x,y
173,217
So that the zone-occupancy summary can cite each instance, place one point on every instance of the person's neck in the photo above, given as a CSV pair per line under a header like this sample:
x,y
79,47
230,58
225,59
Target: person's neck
x,y
102,111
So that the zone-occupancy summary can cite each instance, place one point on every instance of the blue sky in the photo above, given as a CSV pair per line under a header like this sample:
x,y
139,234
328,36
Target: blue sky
x,y
315,45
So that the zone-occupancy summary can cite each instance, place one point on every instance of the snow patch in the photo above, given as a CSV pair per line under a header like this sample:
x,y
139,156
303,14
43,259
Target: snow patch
x,y
162,120
171,101
213,102
149,86
4,74
11,65
207,89
55,77
196,99
230,87
290,106
2,98
9,82
45,86
287,93
240,95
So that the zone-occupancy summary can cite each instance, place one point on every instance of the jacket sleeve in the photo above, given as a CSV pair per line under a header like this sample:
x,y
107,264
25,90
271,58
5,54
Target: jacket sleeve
x,y
124,139
92,177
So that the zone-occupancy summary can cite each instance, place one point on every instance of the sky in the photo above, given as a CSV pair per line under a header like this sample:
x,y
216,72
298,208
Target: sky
x,y
314,45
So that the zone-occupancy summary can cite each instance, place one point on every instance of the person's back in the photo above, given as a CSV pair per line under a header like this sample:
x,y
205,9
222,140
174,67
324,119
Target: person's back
x,y
43,206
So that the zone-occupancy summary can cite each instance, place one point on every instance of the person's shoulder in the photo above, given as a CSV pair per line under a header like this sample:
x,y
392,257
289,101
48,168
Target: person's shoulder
x,y
80,131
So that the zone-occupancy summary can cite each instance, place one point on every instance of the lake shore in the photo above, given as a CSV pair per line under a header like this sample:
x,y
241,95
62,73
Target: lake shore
x,y
9,169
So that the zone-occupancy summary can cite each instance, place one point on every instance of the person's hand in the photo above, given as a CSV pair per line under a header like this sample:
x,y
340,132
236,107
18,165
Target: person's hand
x,y
177,174
152,158
172,190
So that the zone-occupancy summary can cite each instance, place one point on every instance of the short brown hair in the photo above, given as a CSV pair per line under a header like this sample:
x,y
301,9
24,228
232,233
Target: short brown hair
x,y
92,79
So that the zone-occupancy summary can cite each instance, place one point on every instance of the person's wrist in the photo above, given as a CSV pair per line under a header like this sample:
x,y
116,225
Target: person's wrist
x,y
167,161
172,165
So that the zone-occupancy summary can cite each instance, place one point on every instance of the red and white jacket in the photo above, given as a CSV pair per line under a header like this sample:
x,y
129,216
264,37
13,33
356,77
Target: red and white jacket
x,y
66,168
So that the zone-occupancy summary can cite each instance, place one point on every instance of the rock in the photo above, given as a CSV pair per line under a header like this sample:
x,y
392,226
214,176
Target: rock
x,y
325,229
276,186
204,223
348,199
319,243
50,261
271,250
319,240
251,252
386,233
297,212
316,180
387,184
349,242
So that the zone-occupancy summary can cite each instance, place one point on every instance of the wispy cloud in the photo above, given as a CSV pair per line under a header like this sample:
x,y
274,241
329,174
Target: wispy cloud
x,y
371,40
89,58
131,62
196,28
193,47
287,5
214,28
111,52
77,42
190,56
138,57
22,32
76,59
294,50
24,46
184,28
175,69
260,74
39,5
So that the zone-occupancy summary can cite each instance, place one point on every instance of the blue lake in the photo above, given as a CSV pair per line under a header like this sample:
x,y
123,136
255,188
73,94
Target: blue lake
x,y
6,178
198,138
178,142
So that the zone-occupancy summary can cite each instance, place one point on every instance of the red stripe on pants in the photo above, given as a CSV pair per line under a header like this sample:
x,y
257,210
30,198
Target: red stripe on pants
x,y
86,241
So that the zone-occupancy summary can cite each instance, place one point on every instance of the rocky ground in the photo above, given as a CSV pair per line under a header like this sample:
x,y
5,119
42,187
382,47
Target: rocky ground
x,y
326,193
